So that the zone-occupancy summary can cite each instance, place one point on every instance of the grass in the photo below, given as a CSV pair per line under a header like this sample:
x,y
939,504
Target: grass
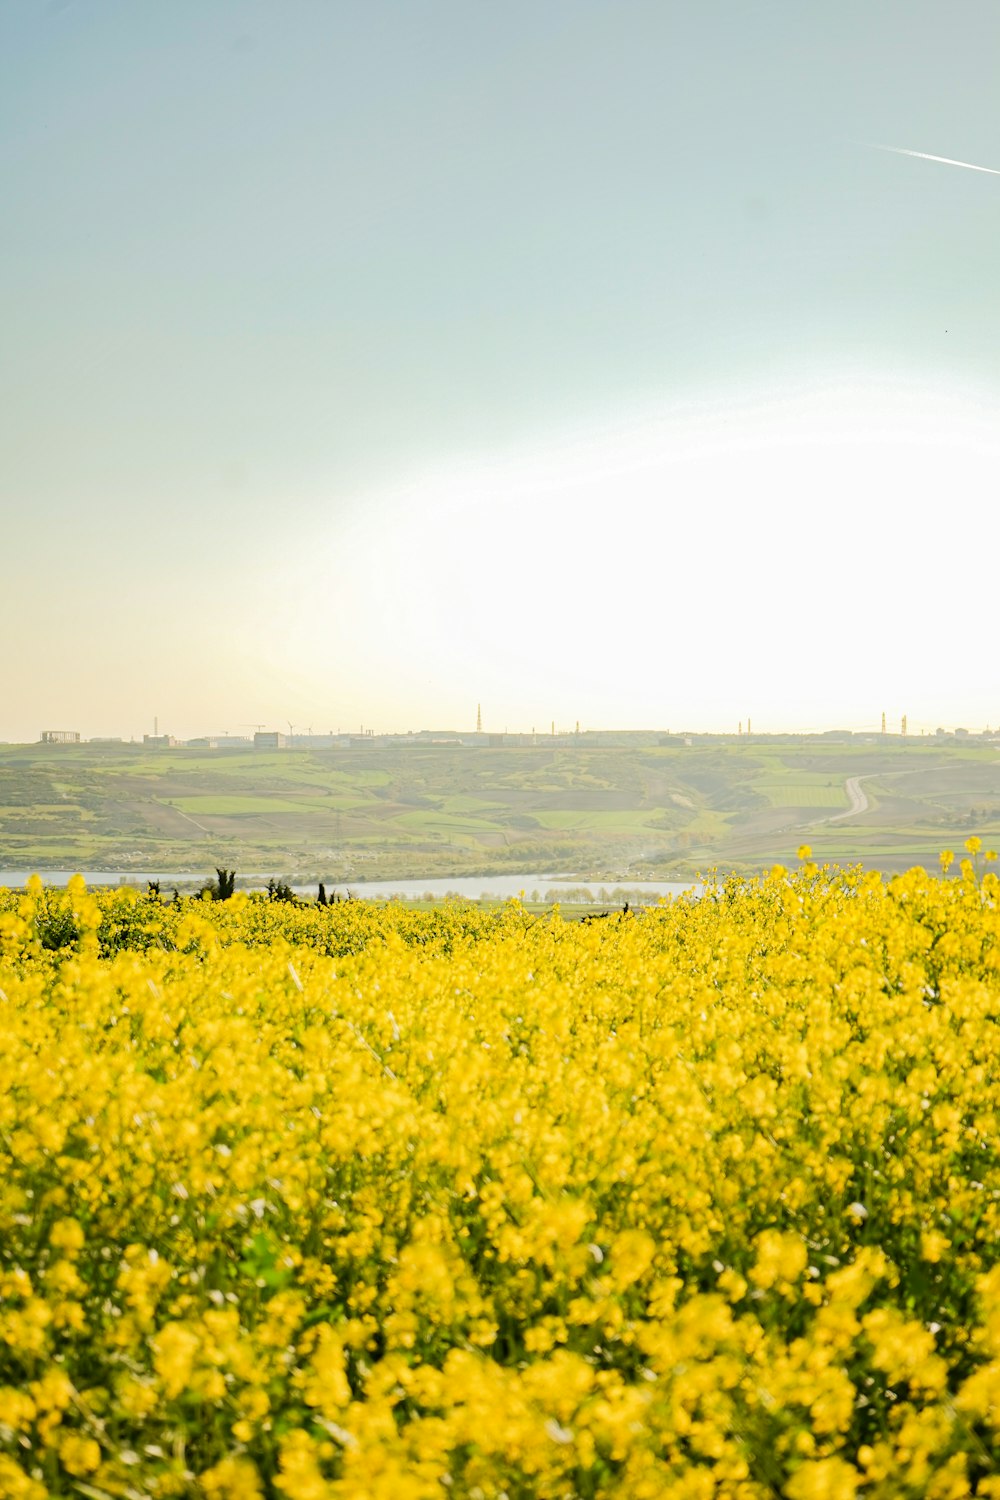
x,y
802,794
598,819
447,823
230,807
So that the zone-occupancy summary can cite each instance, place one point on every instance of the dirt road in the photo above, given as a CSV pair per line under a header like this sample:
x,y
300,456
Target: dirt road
x,y
858,799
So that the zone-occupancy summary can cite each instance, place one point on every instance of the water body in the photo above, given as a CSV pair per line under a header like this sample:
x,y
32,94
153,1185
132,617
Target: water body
x,y
500,887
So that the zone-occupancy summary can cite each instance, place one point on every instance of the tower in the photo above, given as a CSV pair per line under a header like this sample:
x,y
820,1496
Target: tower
x,y
902,727
479,718
883,721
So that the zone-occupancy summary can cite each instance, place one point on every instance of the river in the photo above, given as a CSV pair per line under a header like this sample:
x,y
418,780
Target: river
x,y
499,887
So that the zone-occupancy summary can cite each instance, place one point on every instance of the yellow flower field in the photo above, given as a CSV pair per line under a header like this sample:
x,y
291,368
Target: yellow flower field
x,y
365,1202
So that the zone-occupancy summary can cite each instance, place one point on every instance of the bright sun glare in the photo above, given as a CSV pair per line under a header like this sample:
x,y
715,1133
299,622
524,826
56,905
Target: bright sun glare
x,y
791,556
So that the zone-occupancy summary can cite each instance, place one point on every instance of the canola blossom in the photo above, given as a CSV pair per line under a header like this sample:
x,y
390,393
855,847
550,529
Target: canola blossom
x,y
359,1201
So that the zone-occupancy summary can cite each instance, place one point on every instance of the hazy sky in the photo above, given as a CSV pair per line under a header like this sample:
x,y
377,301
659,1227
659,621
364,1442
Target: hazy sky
x,y
362,362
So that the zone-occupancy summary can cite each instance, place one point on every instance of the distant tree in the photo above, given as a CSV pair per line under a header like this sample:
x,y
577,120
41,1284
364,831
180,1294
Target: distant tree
x,y
222,887
321,898
153,890
279,890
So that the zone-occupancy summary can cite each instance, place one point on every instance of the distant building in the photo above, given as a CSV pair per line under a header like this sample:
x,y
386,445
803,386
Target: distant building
x,y
60,737
269,739
509,741
217,742
159,741
311,741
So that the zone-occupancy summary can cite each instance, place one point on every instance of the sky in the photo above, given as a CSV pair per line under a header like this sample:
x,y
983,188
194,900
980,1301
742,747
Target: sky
x,y
587,360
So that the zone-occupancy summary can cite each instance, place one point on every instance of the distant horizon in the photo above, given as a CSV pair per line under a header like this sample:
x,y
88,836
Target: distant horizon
x,y
893,728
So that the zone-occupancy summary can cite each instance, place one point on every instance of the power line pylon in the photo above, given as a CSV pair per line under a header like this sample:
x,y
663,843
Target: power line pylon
x,y
479,718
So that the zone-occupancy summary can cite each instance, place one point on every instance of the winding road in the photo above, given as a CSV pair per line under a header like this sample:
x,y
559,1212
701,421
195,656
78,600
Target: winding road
x,y
858,799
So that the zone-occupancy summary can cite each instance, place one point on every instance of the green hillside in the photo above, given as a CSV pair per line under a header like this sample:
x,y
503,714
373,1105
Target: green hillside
x,y
631,807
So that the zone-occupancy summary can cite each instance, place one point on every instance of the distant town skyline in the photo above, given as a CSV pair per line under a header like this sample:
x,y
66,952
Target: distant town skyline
x,y
883,723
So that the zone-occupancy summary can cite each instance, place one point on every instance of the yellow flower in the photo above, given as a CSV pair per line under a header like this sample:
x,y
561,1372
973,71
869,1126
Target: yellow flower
x,y
175,1348
15,1484
781,1260
631,1256
232,1478
300,1476
824,1479
327,1387
79,1455
933,1244
370,1201
67,1235
17,1409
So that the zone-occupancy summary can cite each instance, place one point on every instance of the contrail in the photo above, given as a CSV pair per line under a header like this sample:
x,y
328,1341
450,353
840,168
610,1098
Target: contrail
x,y
947,160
